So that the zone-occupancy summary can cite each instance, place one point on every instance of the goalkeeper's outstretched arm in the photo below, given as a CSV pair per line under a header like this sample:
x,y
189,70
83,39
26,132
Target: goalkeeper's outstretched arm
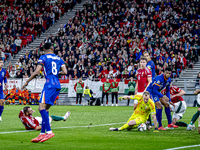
x,y
124,98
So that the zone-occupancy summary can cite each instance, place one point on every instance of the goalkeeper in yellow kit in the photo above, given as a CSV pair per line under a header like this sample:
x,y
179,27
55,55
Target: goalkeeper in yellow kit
x,y
144,108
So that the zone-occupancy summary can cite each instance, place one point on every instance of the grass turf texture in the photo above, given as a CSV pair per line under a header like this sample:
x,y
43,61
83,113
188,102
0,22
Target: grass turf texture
x,y
98,137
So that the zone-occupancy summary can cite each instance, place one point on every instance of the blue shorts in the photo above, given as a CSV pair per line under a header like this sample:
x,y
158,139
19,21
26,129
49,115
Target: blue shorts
x,y
155,98
1,95
48,95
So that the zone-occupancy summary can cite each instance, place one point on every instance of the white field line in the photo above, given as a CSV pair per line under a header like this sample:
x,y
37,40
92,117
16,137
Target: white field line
x,y
183,147
65,127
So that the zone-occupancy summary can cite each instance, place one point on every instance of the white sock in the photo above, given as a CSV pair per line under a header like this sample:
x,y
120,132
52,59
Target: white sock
x,y
49,132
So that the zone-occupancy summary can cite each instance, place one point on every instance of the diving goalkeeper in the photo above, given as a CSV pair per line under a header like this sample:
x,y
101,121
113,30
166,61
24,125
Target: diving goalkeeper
x,y
144,108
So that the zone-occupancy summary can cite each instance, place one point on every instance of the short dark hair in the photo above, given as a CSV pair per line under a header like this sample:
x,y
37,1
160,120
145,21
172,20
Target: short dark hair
x,y
25,109
143,58
168,69
47,46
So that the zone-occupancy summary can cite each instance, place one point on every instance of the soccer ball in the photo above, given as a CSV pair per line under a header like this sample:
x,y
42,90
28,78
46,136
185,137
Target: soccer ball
x,y
142,127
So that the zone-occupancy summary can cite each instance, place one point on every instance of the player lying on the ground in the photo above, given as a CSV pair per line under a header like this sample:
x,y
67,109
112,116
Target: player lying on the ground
x,y
144,108
191,126
180,105
34,123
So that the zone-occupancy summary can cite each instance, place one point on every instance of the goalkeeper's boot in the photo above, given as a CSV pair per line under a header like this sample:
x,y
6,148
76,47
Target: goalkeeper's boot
x,y
113,129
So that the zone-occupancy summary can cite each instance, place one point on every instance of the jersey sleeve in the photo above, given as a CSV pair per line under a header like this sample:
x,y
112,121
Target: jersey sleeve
x,y
177,89
148,72
156,86
136,97
41,60
152,107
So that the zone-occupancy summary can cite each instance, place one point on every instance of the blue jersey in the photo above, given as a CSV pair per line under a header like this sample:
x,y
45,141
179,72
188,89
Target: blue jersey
x,y
2,78
151,66
158,84
52,65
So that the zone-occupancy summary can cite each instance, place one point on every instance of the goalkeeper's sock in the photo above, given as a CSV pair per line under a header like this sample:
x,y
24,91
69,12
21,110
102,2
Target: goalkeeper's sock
x,y
159,117
1,110
181,124
125,126
168,114
57,118
194,118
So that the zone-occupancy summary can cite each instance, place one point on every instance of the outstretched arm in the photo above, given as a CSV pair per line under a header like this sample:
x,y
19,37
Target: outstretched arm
x,y
35,73
197,91
64,70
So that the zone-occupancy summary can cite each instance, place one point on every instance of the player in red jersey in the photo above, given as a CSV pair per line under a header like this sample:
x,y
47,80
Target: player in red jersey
x,y
180,104
34,123
144,78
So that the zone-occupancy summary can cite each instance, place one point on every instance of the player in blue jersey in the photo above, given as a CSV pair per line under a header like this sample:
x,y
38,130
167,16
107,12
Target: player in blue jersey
x,y
150,64
52,65
2,79
159,83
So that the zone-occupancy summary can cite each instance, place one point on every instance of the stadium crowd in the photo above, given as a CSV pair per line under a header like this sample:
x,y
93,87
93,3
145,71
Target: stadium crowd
x,y
22,21
107,39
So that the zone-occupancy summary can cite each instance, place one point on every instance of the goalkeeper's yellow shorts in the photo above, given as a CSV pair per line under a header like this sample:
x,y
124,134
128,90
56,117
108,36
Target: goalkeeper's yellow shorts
x,y
138,119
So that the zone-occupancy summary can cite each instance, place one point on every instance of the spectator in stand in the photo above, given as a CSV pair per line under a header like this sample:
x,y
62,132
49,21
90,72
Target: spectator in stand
x,y
2,54
18,43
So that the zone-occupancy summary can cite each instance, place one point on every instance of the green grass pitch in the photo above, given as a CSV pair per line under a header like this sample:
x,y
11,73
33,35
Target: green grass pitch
x,y
80,132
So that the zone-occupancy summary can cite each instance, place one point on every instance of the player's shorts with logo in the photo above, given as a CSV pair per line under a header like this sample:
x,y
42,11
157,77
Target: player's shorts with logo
x,y
48,95
179,109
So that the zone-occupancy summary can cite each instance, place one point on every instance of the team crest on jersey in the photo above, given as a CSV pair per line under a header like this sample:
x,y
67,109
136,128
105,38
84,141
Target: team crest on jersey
x,y
158,82
2,74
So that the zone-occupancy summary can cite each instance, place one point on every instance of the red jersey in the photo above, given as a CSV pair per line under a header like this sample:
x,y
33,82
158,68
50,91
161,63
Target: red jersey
x,y
174,90
142,78
30,122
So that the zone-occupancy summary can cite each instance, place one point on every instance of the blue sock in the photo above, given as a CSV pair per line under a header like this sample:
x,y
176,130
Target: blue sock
x,y
47,124
1,110
168,114
159,117
42,112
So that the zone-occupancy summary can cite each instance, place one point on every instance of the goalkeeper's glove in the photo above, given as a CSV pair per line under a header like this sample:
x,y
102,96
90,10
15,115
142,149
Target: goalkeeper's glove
x,y
121,98
156,130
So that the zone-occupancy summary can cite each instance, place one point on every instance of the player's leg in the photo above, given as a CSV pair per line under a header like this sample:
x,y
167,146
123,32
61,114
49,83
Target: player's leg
x,y
58,118
106,99
77,99
1,108
116,97
195,116
168,113
81,94
112,98
125,126
103,94
158,111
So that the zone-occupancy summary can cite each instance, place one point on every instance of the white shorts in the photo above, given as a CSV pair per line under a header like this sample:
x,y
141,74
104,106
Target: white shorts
x,y
198,100
136,101
179,109
39,119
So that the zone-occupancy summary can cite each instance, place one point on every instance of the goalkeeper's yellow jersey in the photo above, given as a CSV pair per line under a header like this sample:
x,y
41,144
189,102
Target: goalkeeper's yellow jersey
x,y
144,109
